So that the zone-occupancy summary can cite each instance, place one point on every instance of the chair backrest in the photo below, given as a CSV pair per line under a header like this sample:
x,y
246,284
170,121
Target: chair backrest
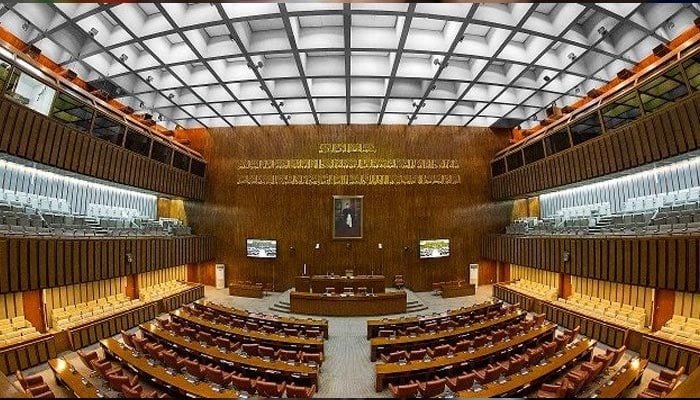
x,y
417,354
130,393
214,375
193,368
407,391
549,349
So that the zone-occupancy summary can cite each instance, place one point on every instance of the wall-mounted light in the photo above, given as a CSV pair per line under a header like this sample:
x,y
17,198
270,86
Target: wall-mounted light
x,y
565,256
317,246
379,246
129,258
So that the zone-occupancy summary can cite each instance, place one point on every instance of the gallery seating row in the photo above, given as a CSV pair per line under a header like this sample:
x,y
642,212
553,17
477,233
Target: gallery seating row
x,y
535,289
16,329
163,289
681,329
609,311
435,319
79,313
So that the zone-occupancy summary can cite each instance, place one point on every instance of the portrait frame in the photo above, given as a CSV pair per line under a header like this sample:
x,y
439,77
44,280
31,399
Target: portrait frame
x,y
345,227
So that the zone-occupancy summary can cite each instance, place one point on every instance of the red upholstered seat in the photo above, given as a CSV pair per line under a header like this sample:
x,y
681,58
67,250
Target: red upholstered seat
x,y
218,376
439,350
404,391
270,389
489,374
117,380
431,388
243,383
87,357
551,391
394,356
300,392
417,354
461,382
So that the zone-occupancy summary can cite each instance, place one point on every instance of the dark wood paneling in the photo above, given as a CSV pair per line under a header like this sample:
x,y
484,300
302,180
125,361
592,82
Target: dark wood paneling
x,y
397,216
671,131
38,263
668,262
27,134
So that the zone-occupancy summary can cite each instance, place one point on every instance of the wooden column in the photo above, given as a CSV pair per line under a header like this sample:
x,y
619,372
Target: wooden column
x,y
487,272
34,309
132,287
503,270
564,286
664,303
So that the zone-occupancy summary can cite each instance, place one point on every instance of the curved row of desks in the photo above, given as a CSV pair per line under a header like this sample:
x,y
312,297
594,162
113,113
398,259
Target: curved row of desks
x,y
67,375
375,325
345,306
386,372
177,383
310,344
271,320
251,364
518,383
388,344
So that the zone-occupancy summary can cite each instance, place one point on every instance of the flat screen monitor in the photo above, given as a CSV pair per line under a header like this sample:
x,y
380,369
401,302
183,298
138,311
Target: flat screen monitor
x,y
261,248
434,248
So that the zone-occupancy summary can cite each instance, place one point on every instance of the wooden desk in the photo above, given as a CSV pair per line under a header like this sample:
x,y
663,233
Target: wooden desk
x,y
336,305
319,283
264,319
73,380
457,289
375,325
178,382
623,378
389,344
385,372
516,383
243,290
277,341
301,370
9,390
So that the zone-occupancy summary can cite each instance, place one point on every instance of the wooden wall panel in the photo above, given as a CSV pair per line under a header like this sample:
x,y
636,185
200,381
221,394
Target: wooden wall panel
x,y
687,304
39,263
669,262
148,279
547,278
299,216
671,131
27,134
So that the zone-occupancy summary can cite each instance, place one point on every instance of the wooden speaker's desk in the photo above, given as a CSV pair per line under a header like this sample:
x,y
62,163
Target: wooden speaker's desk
x,y
319,283
243,290
337,305
457,289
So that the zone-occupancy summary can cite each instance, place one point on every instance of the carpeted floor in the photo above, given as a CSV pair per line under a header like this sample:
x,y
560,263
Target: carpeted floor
x,y
347,371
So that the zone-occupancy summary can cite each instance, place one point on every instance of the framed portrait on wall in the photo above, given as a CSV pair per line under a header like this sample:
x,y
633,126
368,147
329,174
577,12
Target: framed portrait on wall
x,y
347,217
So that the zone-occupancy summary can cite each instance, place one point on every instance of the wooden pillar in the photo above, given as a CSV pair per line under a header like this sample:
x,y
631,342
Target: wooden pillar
x,y
132,287
193,273
664,304
503,271
34,310
564,286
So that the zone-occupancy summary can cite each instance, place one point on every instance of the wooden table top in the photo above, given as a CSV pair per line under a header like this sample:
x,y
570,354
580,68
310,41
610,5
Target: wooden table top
x,y
178,382
262,336
436,316
339,297
344,277
464,356
8,390
517,381
388,341
76,383
236,358
319,323
623,378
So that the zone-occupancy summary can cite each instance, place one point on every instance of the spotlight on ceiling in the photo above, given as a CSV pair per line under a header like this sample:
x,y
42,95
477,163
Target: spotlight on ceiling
x,y
670,25
571,56
577,90
25,26
160,117
123,57
93,31
285,117
149,78
602,31
433,87
171,96
141,104
547,78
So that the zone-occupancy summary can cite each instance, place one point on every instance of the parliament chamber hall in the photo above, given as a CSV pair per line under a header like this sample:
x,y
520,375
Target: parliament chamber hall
x,y
349,200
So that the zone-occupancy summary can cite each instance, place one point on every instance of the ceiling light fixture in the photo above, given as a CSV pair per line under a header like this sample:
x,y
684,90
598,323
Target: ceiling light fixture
x,y
547,78
93,31
171,95
25,26
141,104
670,25
285,117
258,65
602,31
411,118
571,56
149,78
123,57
